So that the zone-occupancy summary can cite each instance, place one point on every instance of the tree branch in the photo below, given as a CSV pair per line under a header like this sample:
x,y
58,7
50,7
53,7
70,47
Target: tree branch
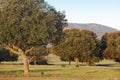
x,y
13,51
17,48
29,50
30,58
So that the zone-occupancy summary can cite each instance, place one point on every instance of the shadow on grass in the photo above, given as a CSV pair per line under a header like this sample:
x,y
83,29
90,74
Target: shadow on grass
x,y
104,65
12,72
44,70
108,65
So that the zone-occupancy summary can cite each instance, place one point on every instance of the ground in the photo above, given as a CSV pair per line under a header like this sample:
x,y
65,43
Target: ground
x,y
106,70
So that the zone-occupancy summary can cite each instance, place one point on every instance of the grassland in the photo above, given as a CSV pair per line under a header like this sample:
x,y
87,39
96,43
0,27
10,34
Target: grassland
x,y
105,70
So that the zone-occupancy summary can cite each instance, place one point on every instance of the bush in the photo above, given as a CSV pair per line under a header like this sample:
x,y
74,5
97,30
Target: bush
x,y
42,73
62,65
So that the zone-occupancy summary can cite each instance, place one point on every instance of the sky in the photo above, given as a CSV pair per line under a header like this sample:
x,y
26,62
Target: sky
x,y
105,12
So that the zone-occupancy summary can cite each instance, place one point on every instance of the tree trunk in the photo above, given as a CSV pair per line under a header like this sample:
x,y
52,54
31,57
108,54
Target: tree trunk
x,y
89,63
70,58
26,65
76,60
69,62
35,62
16,50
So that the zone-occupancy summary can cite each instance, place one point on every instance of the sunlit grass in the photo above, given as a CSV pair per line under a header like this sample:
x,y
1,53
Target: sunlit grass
x,y
110,71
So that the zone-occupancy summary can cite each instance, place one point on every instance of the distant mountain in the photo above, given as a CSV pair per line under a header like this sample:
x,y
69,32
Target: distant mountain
x,y
97,28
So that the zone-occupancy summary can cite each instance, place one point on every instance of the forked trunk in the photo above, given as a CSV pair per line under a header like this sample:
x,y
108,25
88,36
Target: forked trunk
x,y
76,60
26,65
16,50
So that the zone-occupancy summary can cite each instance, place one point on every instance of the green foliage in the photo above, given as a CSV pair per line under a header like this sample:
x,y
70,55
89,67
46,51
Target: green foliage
x,y
112,43
82,44
26,23
38,53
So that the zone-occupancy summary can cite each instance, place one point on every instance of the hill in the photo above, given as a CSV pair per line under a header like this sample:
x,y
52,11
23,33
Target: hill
x,y
97,28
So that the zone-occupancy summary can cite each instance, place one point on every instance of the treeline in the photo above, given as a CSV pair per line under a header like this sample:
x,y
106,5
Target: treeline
x,y
75,45
84,46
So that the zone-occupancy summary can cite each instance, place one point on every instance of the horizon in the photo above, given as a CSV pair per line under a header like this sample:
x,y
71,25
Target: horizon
x,y
104,12
95,23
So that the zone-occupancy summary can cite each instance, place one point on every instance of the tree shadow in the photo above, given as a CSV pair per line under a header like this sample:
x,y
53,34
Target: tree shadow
x,y
13,72
45,70
108,65
104,65
118,69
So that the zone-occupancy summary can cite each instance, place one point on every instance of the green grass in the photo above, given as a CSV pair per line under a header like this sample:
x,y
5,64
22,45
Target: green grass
x,y
103,71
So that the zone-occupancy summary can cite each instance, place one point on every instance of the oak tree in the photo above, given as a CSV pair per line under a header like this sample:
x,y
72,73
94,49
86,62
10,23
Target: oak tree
x,y
82,45
112,45
25,24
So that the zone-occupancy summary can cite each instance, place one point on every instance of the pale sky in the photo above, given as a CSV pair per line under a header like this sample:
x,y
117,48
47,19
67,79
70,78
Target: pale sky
x,y
105,12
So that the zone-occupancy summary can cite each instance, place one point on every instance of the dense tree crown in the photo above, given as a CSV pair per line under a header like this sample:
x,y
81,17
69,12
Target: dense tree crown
x,y
82,44
112,45
25,24
29,22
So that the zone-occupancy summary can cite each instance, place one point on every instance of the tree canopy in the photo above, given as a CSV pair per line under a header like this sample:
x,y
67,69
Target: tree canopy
x,y
29,22
112,45
81,44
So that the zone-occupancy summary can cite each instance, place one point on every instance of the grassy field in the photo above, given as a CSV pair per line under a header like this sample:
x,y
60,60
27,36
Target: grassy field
x,y
105,70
